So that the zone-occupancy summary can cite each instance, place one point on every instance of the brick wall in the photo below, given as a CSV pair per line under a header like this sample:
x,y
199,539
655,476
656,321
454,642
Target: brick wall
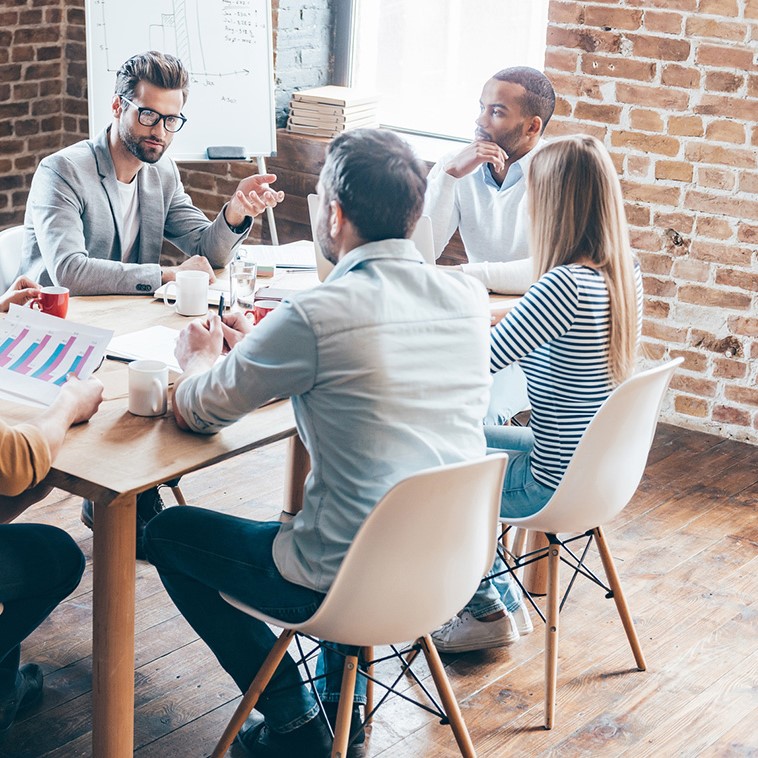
x,y
671,87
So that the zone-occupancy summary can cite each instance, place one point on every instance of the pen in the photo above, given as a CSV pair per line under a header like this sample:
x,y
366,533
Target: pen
x,y
220,306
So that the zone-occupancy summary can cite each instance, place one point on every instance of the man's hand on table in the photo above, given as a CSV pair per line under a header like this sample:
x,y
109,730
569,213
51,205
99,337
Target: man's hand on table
x,y
195,263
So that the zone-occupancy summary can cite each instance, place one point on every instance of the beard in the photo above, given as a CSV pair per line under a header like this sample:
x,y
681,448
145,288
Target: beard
x,y
135,145
325,241
509,141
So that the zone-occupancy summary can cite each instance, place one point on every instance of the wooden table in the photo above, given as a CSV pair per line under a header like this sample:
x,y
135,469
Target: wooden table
x,y
111,459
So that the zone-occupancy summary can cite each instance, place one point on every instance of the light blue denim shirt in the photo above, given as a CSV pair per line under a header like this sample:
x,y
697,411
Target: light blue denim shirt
x,y
387,364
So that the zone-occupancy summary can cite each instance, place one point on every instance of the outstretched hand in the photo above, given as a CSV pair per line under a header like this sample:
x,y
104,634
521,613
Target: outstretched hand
x,y
252,197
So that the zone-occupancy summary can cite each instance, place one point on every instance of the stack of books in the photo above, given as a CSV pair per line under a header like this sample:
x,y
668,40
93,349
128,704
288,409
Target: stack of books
x,y
327,111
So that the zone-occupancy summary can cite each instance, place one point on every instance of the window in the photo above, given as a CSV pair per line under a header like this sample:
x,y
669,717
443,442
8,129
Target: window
x,y
428,59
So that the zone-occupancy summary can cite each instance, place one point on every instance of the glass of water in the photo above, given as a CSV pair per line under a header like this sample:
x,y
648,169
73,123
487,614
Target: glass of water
x,y
244,275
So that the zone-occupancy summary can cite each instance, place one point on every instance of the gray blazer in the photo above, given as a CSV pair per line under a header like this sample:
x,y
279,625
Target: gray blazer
x,y
73,223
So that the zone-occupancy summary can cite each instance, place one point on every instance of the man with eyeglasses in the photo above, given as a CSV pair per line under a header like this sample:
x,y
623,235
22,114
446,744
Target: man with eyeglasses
x,y
98,211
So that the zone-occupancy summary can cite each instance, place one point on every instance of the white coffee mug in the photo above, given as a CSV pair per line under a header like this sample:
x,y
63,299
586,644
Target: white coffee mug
x,y
191,293
148,388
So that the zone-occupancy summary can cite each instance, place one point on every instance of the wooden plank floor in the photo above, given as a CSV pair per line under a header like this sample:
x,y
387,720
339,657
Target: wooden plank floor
x,y
687,552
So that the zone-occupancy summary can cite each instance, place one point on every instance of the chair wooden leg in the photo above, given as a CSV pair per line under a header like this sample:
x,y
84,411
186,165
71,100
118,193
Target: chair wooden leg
x,y
449,702
368,655
551,632
178,495
345,708
255,690
618,596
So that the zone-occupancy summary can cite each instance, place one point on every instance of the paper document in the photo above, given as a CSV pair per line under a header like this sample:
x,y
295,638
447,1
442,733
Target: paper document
x,y
156,343
38,352
293,255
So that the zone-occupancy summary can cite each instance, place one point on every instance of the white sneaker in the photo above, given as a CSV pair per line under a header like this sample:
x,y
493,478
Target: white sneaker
x,y
464,633
521,617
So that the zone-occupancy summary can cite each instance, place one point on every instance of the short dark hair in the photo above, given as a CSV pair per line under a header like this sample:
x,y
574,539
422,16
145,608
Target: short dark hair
x,y
539,99
159,69
377,179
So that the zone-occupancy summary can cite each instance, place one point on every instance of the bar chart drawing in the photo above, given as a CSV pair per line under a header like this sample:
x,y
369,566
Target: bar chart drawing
x,y
39,352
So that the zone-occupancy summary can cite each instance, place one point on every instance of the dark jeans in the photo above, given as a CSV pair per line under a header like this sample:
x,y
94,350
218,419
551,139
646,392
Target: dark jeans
x,y
40,565
199,553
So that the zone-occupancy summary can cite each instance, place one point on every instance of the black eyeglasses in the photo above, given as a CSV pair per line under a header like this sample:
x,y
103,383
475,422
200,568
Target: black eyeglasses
x,y
149,117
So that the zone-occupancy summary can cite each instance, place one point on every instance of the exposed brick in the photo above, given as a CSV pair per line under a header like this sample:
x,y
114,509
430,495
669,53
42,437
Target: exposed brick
x,y
637,215
723,81
726,131
655,263
724,368
651,193
622,68
714,227
693,385
712,298
675,170
560,59
645,239
732,255
723,105
645,120
566,13
576,86
745,395
726,206
652,97
732,277
697,26
730,415
717,178
596,112
676,5
724,156
751,9
680,76
589,40
638,166
653,351
658,287
663,22
661,331
648,143
656,308
616,18
562,107
726,8
749,182
686,126
680,222
721,56
691,406
660,48
693,361
744,325
562,128
747,233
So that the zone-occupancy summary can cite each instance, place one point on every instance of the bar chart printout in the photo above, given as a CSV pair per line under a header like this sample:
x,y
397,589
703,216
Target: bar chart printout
x,y
38,352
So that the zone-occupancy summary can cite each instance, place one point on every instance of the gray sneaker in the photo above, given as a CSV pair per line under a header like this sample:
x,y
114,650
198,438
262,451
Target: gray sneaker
x,y
464,633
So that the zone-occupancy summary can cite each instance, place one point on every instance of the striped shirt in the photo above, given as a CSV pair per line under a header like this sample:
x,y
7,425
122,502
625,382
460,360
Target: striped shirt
x,y
559,333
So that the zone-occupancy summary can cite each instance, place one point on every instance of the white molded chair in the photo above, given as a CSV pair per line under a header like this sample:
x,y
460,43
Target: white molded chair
x,y
599,482
396,584
10,255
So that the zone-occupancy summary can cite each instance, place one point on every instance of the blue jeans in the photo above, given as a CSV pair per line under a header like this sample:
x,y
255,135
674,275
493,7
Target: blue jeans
x,y
522,496
39,566
199,553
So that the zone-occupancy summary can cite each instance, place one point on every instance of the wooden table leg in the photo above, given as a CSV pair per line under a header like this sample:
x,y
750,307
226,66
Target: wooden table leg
x,y
535,574
296,470
113,628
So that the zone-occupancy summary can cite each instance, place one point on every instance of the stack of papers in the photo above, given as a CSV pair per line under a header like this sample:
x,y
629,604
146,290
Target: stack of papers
x,y
327,111
156,343
39,351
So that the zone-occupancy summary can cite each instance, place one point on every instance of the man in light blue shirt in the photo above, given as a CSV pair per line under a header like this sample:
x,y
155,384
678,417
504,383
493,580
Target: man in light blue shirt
x,y
387,366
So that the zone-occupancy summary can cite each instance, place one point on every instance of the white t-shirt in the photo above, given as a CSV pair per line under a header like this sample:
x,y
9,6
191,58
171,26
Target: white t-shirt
x,y
130,219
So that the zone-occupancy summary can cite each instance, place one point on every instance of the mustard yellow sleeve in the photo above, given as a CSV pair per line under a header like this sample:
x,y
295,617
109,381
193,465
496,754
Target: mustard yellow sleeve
x,y
24,458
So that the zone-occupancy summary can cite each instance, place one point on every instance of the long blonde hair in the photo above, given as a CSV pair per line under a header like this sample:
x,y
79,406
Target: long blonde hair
x,y
577,215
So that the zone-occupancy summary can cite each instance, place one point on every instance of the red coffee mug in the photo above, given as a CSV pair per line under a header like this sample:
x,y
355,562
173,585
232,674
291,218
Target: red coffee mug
x,y
262,308
53,301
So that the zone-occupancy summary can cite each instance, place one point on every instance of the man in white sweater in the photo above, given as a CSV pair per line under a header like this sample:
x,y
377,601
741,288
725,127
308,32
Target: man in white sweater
x,y
481,191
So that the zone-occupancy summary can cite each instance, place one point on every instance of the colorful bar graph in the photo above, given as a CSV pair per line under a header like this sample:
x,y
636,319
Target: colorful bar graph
x,y
7,347
45,372
24,364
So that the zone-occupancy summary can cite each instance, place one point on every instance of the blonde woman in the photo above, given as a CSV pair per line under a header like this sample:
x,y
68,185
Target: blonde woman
x,y
575,334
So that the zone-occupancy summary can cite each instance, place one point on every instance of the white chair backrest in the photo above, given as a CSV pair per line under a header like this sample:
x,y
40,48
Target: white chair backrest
x,y
11,241
610,459
418,558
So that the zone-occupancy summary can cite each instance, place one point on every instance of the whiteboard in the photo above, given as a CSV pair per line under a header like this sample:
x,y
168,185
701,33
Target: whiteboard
x,y
224,44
